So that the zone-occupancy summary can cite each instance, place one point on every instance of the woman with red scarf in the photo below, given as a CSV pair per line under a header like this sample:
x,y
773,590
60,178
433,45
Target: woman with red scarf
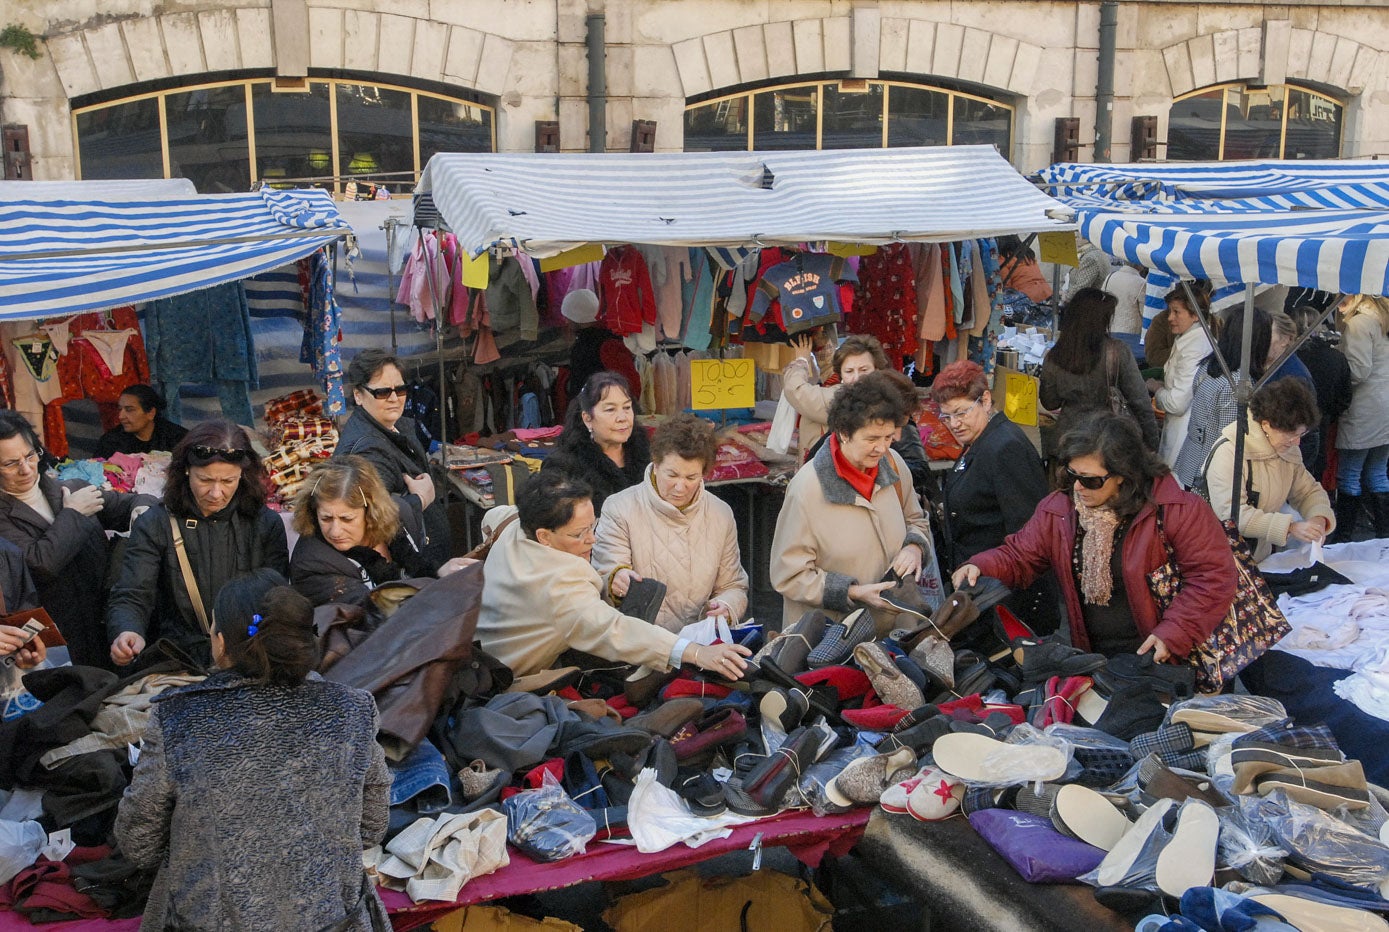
x,y
851,513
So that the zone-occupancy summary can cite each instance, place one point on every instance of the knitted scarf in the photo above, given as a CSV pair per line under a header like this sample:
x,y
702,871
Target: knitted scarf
x,y
1097,547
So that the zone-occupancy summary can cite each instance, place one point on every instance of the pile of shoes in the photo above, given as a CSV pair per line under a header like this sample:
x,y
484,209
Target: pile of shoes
x,y
1110,772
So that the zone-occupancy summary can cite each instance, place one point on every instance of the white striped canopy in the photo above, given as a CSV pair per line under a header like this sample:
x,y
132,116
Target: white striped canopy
x,y
547,203
84,246
1322,225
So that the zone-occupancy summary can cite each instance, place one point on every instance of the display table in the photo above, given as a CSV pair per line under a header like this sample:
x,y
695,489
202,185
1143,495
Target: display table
x,y
963,884
807,836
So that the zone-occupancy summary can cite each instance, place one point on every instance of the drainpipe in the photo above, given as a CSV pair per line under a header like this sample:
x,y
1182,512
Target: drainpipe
x,y
597,85
1104,87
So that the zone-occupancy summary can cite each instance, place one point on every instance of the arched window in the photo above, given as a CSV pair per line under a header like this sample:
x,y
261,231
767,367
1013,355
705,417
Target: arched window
x,y
228,135
847,115
1239,121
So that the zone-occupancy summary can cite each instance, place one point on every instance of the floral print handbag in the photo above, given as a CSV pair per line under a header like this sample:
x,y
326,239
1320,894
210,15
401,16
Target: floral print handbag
x,y
1253,624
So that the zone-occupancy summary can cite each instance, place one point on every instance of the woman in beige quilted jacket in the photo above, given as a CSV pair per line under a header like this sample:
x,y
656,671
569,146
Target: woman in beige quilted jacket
x,y
667,527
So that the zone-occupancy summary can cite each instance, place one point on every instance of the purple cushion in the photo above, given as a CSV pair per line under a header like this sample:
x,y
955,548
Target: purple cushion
x,y
1036,850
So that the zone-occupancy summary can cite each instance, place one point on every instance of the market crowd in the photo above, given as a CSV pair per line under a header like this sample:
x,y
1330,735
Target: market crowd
x,y
616,548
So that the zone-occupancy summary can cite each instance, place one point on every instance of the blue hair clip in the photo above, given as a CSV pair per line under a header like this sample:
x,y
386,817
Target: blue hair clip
x,y
253,627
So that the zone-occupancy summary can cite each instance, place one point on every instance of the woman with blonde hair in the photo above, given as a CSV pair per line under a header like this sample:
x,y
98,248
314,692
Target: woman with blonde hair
x,y
1362,436
354,535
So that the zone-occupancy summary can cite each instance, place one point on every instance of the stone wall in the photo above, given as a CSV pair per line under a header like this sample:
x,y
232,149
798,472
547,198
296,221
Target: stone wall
x,y
530,55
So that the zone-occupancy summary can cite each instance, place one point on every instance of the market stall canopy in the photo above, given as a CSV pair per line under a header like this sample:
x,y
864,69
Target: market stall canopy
x,y
83,246
548,203
1322,225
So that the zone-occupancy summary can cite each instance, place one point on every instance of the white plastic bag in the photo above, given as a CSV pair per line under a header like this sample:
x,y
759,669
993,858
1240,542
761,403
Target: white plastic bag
x,y
20,844
783,426
658,818
707,631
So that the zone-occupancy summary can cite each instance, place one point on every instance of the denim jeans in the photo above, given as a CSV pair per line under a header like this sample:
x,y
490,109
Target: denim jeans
x,y
1362,470
424,774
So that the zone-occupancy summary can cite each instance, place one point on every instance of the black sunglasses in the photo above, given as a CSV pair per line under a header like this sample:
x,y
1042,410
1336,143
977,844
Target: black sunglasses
x,y
1088,482
386,391
208,454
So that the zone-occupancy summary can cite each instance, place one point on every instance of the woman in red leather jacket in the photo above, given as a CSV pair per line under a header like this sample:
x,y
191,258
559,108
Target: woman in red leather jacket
x,y
1100,535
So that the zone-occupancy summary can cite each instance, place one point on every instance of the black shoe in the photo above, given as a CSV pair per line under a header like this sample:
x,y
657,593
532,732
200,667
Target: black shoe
x,y
702,793
1170,682
1132,711
787,707
1040,660
643,599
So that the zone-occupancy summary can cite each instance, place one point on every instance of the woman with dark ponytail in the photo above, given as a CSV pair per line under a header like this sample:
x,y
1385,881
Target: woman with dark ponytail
x,y
264,782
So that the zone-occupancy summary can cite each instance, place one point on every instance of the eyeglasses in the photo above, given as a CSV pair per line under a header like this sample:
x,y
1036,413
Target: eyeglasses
x,y
582,533
207,454
386,391
952,416
28,459
1088,482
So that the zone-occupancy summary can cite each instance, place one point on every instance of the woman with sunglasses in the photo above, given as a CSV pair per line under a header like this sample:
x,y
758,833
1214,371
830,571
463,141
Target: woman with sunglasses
x,y
542,597
212,525
1101,538
354,536
995,485
379,433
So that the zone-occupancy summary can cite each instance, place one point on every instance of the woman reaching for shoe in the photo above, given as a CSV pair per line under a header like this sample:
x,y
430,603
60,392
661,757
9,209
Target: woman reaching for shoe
x,y
851,514
542,597
1102,539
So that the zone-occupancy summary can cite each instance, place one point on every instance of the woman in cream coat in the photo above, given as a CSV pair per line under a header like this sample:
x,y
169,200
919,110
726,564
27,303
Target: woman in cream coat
x,y
1279,414
850,514
1362,433
542,597
667,527
1173,393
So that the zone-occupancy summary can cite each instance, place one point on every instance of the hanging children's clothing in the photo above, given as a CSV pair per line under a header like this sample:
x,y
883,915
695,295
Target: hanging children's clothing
x,y
626,297
203,337
807,285
886,301
697,295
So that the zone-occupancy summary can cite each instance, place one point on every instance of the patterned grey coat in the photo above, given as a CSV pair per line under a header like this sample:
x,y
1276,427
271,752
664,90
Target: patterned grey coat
x,y
254,803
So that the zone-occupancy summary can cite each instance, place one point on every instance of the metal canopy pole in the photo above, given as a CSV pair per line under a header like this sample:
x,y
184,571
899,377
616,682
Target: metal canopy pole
x,y
390,227
1243,390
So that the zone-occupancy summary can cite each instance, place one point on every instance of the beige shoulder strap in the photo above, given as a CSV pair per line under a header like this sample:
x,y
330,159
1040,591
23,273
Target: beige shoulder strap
x,y
189,582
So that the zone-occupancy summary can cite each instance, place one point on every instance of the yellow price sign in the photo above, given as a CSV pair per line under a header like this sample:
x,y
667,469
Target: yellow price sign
x,y
579,255
716,384
1020,398
1059,248
476,271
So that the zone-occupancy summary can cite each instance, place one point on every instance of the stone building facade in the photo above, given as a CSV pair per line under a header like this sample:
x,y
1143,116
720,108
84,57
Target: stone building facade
x,y
240,90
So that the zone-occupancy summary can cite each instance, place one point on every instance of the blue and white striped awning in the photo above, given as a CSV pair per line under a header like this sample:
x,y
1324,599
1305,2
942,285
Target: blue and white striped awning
x,y
82,249
547,203
1322,225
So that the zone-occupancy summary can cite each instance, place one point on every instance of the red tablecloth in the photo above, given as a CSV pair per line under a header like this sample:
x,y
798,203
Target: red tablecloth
x,y
808,836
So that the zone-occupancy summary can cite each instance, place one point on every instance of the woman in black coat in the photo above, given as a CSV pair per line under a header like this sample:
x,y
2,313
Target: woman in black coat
x,y
995,485
215,498
354,536
61,529
602,444
378,433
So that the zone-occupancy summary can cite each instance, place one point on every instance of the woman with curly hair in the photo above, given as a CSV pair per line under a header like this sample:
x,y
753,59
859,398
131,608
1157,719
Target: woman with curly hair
x,y
212,526
851,514
354,536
